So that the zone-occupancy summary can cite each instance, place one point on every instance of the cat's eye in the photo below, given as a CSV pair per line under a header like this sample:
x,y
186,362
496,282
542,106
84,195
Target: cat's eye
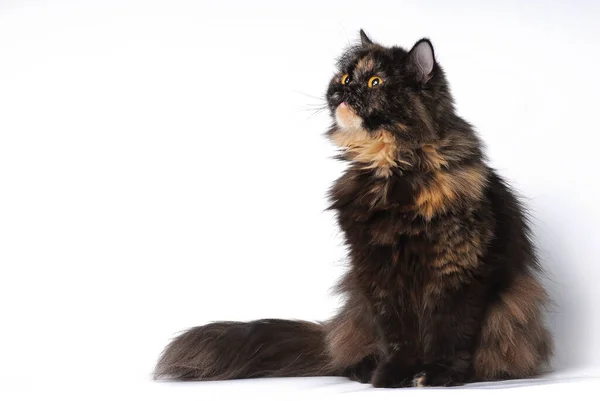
x,y
375,81
345,79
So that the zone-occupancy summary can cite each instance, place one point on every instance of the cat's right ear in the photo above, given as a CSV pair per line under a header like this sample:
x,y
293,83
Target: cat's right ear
x,y
364,39
421,60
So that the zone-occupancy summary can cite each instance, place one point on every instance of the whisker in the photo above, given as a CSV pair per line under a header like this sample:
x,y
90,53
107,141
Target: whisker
x,y
322,98
316,112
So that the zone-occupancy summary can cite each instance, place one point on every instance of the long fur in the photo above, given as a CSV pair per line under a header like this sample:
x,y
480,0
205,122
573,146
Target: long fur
x,y
443,284
234,350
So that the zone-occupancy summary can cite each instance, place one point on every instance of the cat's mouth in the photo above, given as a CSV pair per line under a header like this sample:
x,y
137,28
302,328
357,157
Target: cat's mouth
x,y
346,118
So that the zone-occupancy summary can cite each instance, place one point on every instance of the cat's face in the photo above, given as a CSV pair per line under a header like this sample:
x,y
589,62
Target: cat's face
x,y
391,89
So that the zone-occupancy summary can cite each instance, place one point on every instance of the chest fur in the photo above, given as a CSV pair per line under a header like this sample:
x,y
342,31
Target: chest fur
x,y
401,254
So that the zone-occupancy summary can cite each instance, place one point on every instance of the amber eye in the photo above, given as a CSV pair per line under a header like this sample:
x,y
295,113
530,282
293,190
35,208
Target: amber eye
x,y
345,79
375,81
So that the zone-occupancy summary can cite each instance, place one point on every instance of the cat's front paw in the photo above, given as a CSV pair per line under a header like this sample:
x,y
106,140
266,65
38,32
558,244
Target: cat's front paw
x,y
439,376
392,373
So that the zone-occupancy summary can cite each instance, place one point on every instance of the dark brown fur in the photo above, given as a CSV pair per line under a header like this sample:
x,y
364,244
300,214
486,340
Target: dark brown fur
x,y
442,286
233,350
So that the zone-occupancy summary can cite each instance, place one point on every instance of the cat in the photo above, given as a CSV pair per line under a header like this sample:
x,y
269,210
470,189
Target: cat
x,y
442,287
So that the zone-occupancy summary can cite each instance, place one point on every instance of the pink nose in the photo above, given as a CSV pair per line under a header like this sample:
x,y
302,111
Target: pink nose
x,y
343,104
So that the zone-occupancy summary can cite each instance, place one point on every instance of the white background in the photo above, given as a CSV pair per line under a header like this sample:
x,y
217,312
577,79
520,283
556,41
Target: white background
x,y
161,167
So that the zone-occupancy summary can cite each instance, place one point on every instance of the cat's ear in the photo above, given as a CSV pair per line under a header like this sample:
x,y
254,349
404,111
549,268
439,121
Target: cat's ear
x,y
421,60
364,39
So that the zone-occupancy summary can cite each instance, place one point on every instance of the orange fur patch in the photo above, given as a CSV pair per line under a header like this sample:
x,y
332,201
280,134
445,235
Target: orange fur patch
x,y
446,187
365,64
378,150
433,158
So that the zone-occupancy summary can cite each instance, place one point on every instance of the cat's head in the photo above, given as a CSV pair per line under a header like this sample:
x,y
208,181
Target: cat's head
x,y
387,89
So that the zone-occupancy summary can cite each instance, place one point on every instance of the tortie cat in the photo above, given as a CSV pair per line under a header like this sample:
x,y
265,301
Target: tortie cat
x,y
442,286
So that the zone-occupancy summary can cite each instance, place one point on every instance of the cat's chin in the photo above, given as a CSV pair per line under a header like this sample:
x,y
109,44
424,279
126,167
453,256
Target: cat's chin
x,y
346,118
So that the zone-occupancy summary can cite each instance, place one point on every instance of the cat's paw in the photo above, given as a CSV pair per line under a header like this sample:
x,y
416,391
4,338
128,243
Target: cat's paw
x,y
393,374
439,377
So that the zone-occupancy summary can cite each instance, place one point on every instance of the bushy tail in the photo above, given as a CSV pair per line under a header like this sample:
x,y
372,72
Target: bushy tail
x,y
235,350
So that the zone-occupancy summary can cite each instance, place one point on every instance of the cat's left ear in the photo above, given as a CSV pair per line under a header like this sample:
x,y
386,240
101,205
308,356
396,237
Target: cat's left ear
x,y
421,60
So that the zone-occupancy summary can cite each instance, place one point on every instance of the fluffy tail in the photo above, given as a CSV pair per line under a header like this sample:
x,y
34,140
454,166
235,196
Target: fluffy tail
x,y
235,350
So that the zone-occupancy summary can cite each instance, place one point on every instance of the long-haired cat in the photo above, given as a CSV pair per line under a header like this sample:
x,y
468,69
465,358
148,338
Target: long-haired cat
x,y
442,286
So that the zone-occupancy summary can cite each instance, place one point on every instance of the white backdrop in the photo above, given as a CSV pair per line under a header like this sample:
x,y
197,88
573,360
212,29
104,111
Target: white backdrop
x,y
161,167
